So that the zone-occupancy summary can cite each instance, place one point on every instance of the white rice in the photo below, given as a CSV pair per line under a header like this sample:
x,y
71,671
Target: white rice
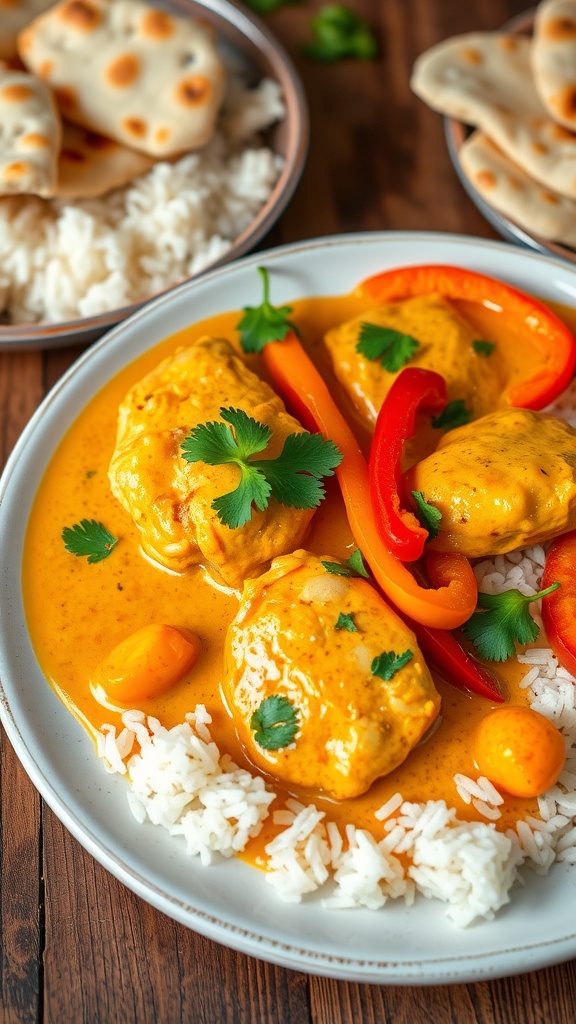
x,y
60,260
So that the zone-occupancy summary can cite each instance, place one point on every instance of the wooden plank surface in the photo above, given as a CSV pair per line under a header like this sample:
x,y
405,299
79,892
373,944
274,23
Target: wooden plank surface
x,y
76,946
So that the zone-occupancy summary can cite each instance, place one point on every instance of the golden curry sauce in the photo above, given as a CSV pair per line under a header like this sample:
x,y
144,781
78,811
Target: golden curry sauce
x,y
78,612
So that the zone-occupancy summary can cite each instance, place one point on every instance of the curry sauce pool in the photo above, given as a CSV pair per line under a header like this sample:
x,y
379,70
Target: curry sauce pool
x,y
75,621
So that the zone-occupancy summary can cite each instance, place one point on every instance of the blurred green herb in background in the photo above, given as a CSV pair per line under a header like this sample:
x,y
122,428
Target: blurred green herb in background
x,y
339,32
267,6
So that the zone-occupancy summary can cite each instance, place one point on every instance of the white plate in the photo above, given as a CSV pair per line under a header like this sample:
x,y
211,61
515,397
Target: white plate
x,y
230,902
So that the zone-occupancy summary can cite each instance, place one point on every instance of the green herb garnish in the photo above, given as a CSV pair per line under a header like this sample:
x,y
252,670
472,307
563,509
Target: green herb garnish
x,y
505,622
90,539
357,565
275,723
484,348
340,32
353,566
292,479
454,415
346,622
387,664
391,347
264,323
427,515
267,6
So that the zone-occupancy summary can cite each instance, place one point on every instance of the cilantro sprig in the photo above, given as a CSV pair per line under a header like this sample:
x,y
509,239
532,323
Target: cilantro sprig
x,y
455,414
346,622
427,515
387,664
264,323
353,566
340,32
89,539
293,478
275,722
503,620
393,348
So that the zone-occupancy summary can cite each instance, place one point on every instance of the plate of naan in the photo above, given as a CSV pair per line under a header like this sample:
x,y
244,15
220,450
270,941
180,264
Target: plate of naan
x,y
509,99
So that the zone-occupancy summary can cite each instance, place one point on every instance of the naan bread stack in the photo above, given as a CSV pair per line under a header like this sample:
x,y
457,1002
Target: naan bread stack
x,y
522,158
110,87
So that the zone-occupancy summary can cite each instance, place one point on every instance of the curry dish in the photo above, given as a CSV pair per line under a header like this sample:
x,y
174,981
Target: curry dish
x,y
259,598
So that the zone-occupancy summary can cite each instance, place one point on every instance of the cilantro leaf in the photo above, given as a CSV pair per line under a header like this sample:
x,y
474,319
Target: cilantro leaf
x,y
346,622
293,479
89,538
505,621
391,347
264,323
455,414
340,32
295,476
387,664
356,563
484,348
354,566
275,722
214,442
427,515
234,508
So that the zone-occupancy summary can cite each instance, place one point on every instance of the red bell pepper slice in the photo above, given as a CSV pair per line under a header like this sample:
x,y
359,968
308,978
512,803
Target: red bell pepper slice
x,y
413,391
559,608
552,337
296,378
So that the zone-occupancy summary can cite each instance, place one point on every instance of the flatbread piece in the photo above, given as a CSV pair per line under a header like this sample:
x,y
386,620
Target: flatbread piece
x,y
91,165
511,191
124,69
554,59
30,133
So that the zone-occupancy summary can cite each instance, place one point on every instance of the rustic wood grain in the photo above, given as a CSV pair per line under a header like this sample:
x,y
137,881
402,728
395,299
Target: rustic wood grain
x,y
76,946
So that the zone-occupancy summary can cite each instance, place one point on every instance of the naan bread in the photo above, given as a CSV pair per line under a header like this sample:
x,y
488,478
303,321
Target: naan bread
x,y
14,16
30,133
90,165
485,80
554,59
129,71
515,194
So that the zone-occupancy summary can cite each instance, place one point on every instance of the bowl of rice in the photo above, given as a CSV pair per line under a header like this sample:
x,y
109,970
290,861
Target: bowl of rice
x,y
70,269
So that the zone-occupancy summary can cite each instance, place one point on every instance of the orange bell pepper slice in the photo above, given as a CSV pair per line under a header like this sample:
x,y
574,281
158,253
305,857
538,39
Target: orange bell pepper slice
x,y
553,339
296,378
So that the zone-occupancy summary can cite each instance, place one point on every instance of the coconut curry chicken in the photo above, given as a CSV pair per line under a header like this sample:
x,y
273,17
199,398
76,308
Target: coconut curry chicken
x,y
282,523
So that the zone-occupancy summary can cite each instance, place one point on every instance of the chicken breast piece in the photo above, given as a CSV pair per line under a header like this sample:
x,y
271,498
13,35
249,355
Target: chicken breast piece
x,y
445,344
170,499
312,637
506,481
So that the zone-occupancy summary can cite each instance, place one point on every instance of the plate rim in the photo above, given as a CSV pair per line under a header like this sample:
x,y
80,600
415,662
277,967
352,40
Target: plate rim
x,y
469,967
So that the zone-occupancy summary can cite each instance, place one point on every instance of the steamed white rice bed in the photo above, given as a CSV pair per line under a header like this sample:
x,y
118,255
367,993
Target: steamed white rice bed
x,y
62,260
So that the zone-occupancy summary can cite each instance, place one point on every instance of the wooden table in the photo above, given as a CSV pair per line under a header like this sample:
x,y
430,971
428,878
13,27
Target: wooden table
x,y
76,946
